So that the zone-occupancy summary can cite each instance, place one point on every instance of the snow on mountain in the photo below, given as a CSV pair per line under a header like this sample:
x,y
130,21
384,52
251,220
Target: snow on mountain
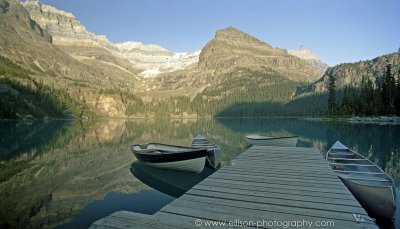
x,y
132,45
155,59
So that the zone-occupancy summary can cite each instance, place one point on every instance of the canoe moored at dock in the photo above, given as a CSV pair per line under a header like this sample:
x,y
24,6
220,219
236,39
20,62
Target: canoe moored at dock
x,y
213,152
369,184
171,157
260,140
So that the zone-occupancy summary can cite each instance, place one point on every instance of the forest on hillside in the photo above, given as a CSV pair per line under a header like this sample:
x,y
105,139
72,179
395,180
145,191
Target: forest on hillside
x,y
22,96
381,97
248,94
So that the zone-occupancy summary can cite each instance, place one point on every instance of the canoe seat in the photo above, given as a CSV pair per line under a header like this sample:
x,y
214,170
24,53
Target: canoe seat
x,y
366,179
347,159
341,170
335,163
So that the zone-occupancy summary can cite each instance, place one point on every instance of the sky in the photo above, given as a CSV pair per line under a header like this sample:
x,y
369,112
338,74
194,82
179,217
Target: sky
x,y
338,31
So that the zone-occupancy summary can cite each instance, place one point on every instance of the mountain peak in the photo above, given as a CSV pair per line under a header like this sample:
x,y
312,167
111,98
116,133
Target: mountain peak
x,y
235,35
228,31
310,57
46,8
304,53
232,48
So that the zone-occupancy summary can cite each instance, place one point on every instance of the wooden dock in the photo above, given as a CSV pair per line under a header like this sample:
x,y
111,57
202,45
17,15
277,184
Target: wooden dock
x,y
265,187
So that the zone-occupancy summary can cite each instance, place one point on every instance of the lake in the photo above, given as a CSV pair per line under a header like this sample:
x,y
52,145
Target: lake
x,y
63,174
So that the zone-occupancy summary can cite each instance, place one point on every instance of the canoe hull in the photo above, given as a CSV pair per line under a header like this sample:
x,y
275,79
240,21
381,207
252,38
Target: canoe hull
x,y
378,201
288,142
171,157
195,165
368,183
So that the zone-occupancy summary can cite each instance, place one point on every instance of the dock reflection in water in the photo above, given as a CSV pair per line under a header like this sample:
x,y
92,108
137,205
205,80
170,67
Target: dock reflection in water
x,y
171,182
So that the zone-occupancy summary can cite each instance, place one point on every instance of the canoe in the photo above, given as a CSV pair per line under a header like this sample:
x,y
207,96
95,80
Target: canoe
x,y
213,152
368,183
260,140
171,157
171,182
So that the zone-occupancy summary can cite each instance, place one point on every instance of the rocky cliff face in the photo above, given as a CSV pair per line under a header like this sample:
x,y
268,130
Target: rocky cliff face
x,y
64,27
133,57
232,48
23,41
310,57
351,74
73,38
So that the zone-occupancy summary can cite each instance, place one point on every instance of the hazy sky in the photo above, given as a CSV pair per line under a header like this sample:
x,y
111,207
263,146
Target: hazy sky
x,y
337,30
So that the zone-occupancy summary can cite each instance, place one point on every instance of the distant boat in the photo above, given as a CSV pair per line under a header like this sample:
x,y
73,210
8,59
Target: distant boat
x,y
171,182
369,184
171,157
256,139
213,152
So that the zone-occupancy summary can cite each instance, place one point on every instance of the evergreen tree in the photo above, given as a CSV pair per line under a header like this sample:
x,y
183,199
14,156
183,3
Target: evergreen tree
x,y
370,98
397,94
332,95
379,106
345,107
367,97
388,91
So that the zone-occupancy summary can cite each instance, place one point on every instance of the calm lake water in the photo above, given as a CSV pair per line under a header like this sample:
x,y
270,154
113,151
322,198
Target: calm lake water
x,y
67,175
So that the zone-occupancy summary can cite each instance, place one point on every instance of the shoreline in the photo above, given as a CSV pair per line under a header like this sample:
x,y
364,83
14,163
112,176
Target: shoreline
x,y
382,120
390,120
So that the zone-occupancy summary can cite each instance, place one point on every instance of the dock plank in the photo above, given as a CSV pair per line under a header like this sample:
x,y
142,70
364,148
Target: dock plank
x,y
273,212
214,212
178,218
281,200
301,190
327,188
283,173
293,164
258,178
277,195
289,167
284,156
124,219
268,208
